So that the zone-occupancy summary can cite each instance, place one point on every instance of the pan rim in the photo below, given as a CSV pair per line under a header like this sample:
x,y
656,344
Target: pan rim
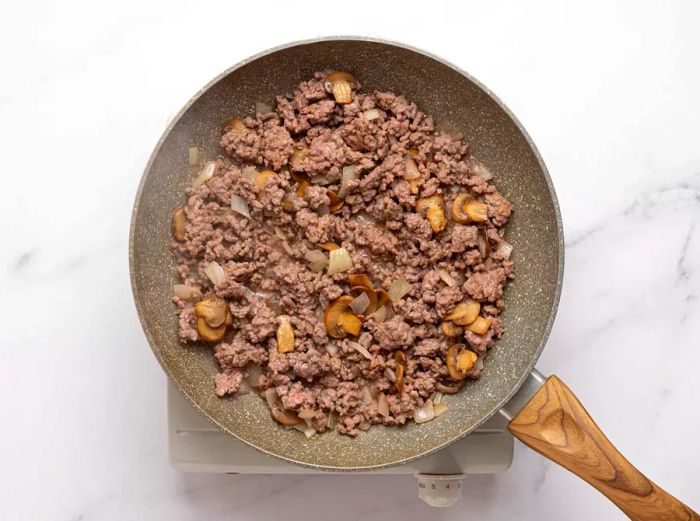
x,y
550,187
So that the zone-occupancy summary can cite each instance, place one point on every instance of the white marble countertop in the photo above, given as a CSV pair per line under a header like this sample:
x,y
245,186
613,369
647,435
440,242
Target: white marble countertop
x,y
609,94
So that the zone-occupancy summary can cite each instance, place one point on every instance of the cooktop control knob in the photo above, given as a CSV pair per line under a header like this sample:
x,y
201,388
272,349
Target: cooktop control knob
x,y
440,490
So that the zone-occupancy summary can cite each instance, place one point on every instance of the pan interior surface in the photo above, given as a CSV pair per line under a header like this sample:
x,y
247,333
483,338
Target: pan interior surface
x,y
457,102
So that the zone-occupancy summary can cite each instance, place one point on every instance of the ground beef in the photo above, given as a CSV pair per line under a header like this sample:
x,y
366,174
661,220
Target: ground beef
x,y
267,280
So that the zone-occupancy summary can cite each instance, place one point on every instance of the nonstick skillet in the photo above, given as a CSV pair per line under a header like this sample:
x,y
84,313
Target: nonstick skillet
x,y
544,414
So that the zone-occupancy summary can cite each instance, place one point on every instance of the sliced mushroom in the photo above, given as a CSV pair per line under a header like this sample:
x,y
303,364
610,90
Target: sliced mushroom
x,y
277,410
297,156
436,217
415,185
331,317
302,186
459,360
483,244
213,310
477,211
434,201
449,389
383,298
285,336
480,326
336,202
329,246
360,279
450,329
464,313
400,358
350,323
457,212
178,224
340,83
234,125
208,333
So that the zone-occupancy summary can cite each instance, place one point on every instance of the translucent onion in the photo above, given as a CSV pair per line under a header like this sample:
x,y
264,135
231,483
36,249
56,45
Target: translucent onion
x,y
193,156
243,388
412,171
332,348
250,173
365,219
306,414
425,413
360,303
332,421
320,180
279,233
287,248
339,261
317,260
360,349
437,398
185,292
204,174
262,108
240,206
380,315
439,409
383,405
366,396
504,250
348,175
215,273
479,169
399,289
448,279
253,374
309,432
371,114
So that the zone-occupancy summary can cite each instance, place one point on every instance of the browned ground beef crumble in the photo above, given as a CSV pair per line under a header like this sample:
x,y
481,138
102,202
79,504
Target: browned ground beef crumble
x,y
266,277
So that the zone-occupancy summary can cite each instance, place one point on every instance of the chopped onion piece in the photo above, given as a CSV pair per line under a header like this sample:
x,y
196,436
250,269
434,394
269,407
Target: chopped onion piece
x,y
262,108
504,250
360,303
215,273
243,388
425,413
482,245
332,421
479,169
240,206
383,405
309,432
332,348
317,260
253,374
271,397
437,398
412,171
371,114
339,261
185,292
204,174
287,248
348,175
320,180
365,219
250,173
439,409
306,414
279,233
380,315
360,349
448,279
399,289
193,155
366,396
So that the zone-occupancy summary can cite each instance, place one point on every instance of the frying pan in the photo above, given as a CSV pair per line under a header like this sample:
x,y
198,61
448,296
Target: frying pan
x,y
543,413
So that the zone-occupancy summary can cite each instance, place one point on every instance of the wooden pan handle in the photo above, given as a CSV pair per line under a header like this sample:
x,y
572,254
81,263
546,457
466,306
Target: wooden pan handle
x,y
556,425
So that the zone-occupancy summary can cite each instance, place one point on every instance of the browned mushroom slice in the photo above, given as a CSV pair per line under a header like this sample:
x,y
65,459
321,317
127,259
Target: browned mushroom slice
x,y
436,218
331,317
464,313
285,336
450,329
212,309
360,279
350,323
457,212
210,334
234,125
277,410
336,202
400,358
340,83
434,201
477,211
329,246
178,224
262,178
480,326
459,360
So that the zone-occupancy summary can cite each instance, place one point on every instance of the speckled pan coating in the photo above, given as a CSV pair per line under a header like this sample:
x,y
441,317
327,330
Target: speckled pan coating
x,y
455,100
